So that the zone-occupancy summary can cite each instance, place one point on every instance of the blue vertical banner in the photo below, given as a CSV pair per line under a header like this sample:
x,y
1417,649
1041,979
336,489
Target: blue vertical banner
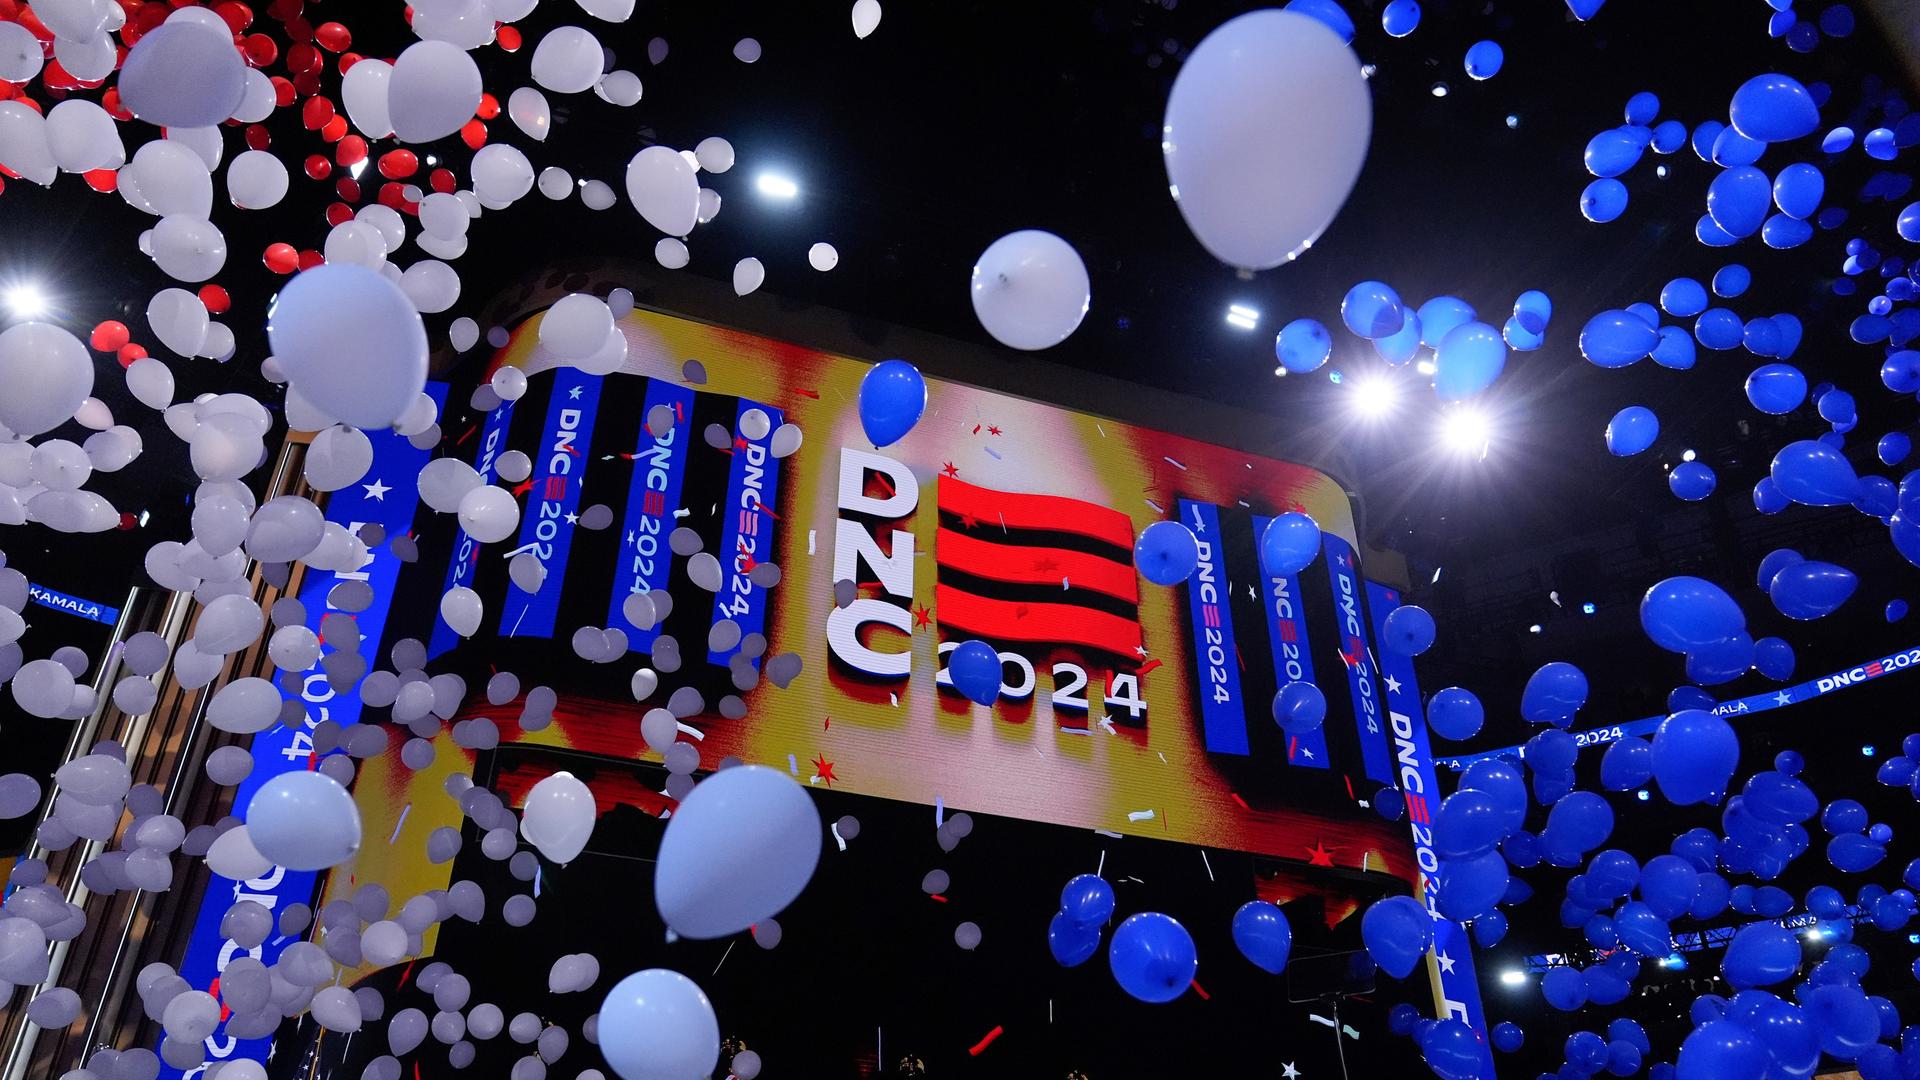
x,y
1362,681
548,519
1292,659
1450,965
1216,659
653,497
753,489
387,496
466,550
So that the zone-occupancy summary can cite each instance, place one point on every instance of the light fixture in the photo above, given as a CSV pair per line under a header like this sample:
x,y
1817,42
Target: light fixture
x,y
1815,933
1242,317
1643,795
1534,629
1464,430
1867,750
1587,608
354,170
1374,396
1674,960
1660,171
26,301
1686,455
1439,89
1513,121
775,186
1426,367
1513,977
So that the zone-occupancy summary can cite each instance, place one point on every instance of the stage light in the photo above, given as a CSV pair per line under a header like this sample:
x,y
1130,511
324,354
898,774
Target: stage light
x,y
1513,121
1426,367
1534,629
775,186
1815,933
1439,89
354,170
1675,961
1242,317
1686,455
26,301
1513,977
1374,396
1660,171
1587,608
1465,431
1643,795
1334,376
1867,750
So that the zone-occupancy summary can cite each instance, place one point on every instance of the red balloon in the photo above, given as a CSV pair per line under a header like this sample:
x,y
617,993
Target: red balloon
x,y
310,258
303,58
474,134
348,189
347,60
238,16
335,129
258,138
398,164
307,83
131,352
316,112
299,29
339,213
351,150
110,335
489,107
110,101
32,22
102,180
333,37
127,521
319,167
443,180
281,258
215,298
283,92
392,195
259,49
509,38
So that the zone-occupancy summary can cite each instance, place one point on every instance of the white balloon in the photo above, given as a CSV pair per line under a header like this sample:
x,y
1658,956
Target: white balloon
x,y
351,342
441,249
20,53
528,110
567,60
709,205
620,88
179,319
94,414
219,522
363,90
614,11
463,334
227,625
83,136
555,183
746,50
558,817
294,648
338,456
501,174
203,141
43,688
432,285
598,195
334,1008
387,221
224,448
234,857
304,820
509,382
823,256
284,528
513,466
747,276
866,17
59,465
169,178
611,356
715,154
113,449
90,60
444,215
244,706
256,180
1266,128
670,252
73,512
23,143
432,92
461,609
260,100
219,343
445,481
738,849
657,1025
489,514
45,373
73,19
466,23
663,187
384,943
357,243
1030,289
188,249
421,415
183,74
575,326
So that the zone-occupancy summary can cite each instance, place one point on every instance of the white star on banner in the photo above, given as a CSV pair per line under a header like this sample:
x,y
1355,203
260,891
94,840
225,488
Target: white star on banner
x,y
1446,962
376,490
1393,685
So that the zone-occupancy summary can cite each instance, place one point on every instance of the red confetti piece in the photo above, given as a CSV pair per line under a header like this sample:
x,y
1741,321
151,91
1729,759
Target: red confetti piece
x,y
814,394
988,1041
1241,801
1149,665
1201,990
936,896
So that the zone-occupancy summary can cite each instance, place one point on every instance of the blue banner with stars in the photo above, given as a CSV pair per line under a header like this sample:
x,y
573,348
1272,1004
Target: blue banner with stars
x,y
1362,679
653,498
553,503
1216,657
1292,658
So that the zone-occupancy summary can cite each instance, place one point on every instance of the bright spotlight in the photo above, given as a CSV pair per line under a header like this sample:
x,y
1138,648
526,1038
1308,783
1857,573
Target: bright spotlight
x,y
26,301
1465,431
1242,316
1513,977
775,186
1374,396
1426,367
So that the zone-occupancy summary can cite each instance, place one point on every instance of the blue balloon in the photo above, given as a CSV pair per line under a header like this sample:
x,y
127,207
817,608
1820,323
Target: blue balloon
x,y
1896,610
1732,149
1519,338
1814,474
1455,713
1845,1020
1681,614
1501,782
1328,12
1469,358
1719,1049
975,670
1623,1058
1738,200
1439,316
1761,337
1263,936
1694,754
1087,899
1669,136
1484,59
1585,9
1612,152
1299,707
1843,816
1289,544
1908,223
1490,929
1773,658
1774,562
1398,348
1611,874
1630,1032
1453,1051
1533,309
1627,764
1782,232
1798,189
1760,954
1668,885
1837,21
1710,900
1372,310
1553,694
1837,140
1166,552
1579,822
1408,630
1689,697
1152,957
1632,430
1691,481
1617,338
1565,988
1675,350
1302,345
1397,932
1773,108
1731,280
892,397
1071,943
1709,232
1811,590
1647,313
1790,330
1683,298
1403,1019
1603,200
1880,144
1878,497
1837,407
1507,1037
1776,389
1704,136
1400,18
1722,661
1901,372
1642,108
1642,931
1470,887
1586,1051
1719,329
